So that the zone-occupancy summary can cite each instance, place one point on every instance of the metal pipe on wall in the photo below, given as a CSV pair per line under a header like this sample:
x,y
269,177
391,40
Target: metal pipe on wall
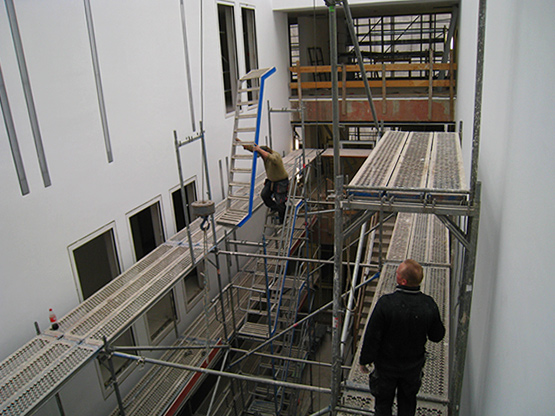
x,y
187,63
351,300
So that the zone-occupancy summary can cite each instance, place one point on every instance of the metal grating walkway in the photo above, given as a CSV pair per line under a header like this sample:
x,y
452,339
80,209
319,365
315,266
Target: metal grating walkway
x,y
28,375
36,371
163,388
412,167
423,238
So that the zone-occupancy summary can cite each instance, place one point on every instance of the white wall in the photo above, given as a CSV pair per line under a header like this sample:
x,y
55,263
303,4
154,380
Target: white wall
x,y
510,364
140,48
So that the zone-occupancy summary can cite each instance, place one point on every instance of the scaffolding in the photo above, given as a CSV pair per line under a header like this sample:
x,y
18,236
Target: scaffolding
x,y
407,173
417,176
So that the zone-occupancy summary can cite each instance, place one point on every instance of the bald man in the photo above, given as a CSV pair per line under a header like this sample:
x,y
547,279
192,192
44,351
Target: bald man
x,y
395,339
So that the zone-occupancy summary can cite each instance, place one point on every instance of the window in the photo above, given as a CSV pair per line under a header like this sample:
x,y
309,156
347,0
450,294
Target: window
x,y
361,136
294,47
96,262
120,364
194,283
403,38
229,54
161,316
178,211
146,230
251,48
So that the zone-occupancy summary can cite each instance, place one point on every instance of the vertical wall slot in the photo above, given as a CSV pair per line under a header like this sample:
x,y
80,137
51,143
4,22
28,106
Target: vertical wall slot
x,y
98,80
12,136
26,83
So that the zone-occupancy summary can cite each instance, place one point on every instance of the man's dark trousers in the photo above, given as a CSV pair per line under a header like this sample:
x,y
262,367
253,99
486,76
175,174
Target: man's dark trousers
x,y
383,386
274,195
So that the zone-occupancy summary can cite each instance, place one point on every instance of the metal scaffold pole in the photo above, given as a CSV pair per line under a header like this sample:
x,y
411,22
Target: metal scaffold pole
x,y
178,145
466,287
480,51
210,371
114,380
338,226
213,222
354,38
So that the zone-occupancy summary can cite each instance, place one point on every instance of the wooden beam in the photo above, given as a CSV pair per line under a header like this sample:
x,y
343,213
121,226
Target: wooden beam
x,y
374,84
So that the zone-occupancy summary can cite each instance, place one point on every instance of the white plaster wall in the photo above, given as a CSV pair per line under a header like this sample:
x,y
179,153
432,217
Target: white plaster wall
x,y
140,48
510,364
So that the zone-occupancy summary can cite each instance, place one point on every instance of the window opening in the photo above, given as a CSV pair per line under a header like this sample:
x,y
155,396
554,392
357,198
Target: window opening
x,y
96,263
402,39
161,316
146,230
294,48
251,48
120,364
229,54
362,136
178,211
194,283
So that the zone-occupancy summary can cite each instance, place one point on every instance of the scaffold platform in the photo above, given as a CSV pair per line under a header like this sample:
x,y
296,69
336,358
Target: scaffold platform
x,y
413,172
425,239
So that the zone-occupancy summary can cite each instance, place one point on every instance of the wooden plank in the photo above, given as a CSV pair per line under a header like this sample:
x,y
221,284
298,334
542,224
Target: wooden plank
x,y
373,84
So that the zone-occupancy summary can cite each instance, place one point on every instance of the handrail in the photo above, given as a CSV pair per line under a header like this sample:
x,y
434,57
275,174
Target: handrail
x,y
373,67
283,277
378,78
380,81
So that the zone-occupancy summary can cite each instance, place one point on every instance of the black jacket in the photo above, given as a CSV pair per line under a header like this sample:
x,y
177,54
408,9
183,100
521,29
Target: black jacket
x,y
398,329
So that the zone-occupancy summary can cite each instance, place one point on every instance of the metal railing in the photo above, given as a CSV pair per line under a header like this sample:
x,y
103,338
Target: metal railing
x,y
431,80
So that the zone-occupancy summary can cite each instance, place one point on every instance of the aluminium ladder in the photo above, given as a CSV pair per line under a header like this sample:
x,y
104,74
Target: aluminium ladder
x,y
246,130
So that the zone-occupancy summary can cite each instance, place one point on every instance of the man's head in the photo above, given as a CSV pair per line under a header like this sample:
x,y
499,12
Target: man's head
x,y
266,149
410,273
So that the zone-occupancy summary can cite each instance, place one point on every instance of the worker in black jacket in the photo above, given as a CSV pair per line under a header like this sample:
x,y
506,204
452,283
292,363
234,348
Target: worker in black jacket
x,y
395,340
